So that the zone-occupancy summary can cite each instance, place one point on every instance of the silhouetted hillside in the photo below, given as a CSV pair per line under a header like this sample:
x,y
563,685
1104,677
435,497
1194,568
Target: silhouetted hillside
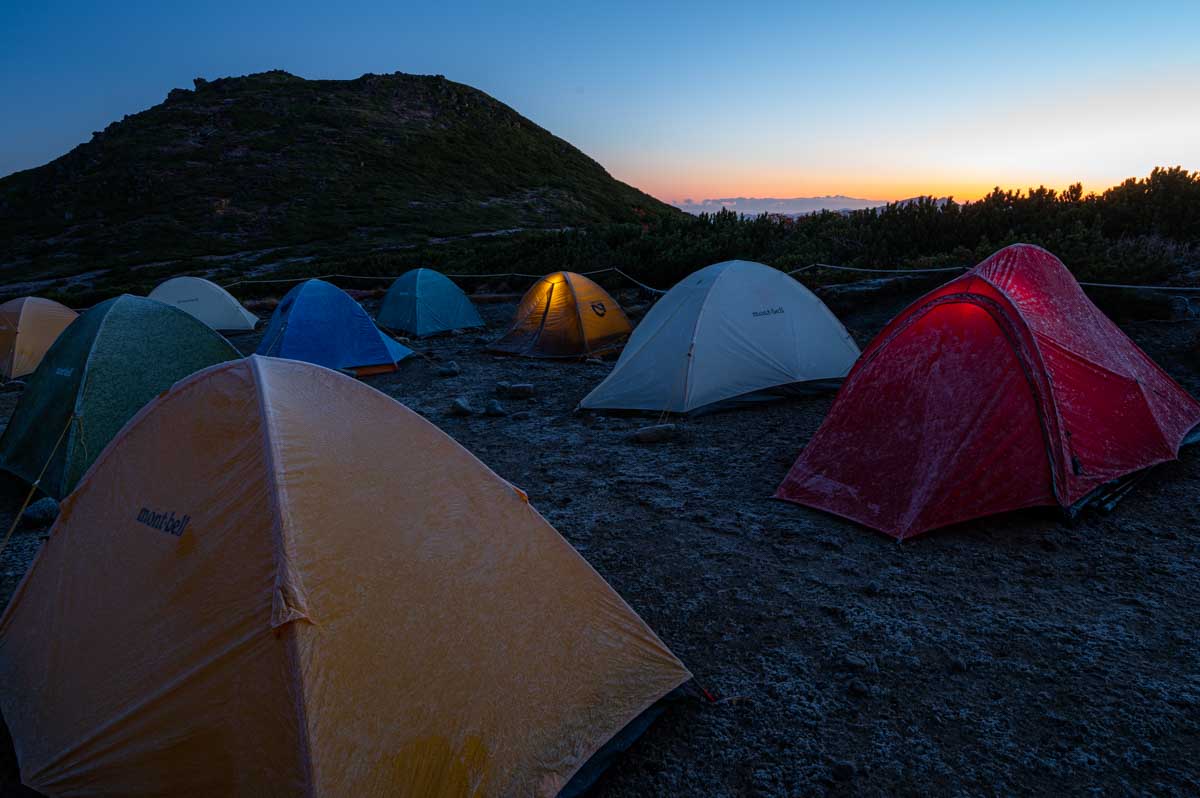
x,y
273,160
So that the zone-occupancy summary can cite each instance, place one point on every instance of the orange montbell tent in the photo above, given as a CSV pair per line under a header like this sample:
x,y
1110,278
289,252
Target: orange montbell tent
x,y
249,594
27,328
565,315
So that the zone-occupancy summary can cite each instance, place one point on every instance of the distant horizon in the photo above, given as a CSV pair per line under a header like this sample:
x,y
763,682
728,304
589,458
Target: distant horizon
x,y
751,204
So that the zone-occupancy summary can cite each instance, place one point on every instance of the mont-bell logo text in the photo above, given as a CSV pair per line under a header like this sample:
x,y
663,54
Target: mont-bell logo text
x,y
164,521
768,312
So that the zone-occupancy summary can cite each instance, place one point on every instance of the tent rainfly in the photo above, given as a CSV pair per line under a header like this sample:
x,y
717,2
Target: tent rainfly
x,y
320,323
207,301
565,315
28,326
426,302
1005,388
730,331
285,600
113,359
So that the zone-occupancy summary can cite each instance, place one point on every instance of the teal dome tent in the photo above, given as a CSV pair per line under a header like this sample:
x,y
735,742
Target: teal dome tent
x,y
99,373
426,302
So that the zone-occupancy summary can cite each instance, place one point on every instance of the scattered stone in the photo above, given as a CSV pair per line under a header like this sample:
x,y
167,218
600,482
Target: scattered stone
x,y
516,390
958,665
659,433
858,688
854,662
872,589
843,771
594,361
831,543
450,369
494,408
12,386
40,514
522,415
461,407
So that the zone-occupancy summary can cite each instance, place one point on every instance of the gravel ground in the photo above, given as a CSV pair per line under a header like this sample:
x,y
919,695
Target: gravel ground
x,y
1014,654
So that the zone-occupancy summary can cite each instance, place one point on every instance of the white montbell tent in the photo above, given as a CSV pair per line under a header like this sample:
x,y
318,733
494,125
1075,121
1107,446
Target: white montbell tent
x,y
207,301
728,331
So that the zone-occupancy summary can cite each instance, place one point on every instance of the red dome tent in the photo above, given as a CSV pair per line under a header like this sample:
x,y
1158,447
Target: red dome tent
x,y
1005,388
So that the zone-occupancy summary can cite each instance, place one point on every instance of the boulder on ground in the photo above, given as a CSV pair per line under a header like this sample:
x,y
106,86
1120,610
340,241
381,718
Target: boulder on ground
x,y
517,390
40,514
461,406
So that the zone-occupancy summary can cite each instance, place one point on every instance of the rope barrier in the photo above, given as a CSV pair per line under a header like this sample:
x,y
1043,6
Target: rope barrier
x,y
1144,287
1179,288
651,289
639,283
460,275
875,271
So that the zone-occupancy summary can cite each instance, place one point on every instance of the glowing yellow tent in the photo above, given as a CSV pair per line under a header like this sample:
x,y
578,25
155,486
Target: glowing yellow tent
x,y
249,594
27,328
565,315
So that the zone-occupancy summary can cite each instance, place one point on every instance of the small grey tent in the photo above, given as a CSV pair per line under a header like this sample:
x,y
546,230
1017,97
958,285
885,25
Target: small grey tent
x,y
729,330
207,301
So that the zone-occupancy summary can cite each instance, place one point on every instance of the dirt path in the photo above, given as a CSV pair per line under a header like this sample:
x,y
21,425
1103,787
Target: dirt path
x,y
1016,654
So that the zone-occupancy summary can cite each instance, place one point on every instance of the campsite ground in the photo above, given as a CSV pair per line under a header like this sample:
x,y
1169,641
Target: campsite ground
x,y
1016,654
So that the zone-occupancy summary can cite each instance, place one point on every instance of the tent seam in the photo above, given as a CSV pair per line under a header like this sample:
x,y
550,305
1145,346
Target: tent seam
x,y
1060,428
687,377
276,502
83,382
583,336
518,322
633,353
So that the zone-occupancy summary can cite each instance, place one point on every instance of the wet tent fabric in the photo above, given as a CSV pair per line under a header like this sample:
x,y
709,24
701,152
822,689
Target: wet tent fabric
x,y
728,330
320,323
1005,388
207,301
426,302
565,315
289,601
28,326
109,362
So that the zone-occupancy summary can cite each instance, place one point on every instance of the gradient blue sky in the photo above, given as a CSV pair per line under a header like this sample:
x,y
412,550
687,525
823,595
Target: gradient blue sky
x,y
685,100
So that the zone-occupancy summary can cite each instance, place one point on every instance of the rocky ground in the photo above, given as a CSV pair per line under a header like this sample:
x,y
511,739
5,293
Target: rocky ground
x,y
1016,654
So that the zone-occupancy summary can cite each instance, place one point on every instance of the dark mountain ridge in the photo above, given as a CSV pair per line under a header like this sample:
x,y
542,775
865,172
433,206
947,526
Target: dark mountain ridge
x,y
271,160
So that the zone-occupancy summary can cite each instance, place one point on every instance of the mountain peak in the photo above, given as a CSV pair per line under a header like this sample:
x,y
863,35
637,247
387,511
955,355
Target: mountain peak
x,y
272,159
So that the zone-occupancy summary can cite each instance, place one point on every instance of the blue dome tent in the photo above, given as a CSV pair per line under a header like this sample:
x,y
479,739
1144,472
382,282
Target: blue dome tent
x,y
320,323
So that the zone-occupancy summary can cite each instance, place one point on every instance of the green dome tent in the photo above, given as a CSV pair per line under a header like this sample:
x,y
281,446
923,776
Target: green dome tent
x,y
103,368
